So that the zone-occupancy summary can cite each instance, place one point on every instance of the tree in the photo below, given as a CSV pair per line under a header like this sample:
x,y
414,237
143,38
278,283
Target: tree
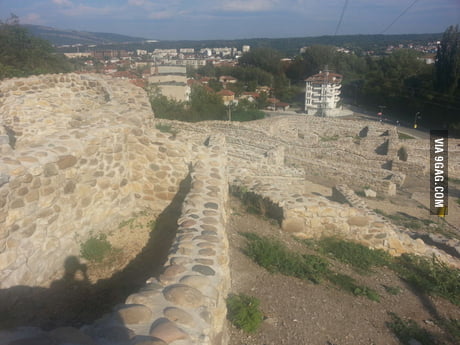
x,y
264,58
448,61
205,105
22,54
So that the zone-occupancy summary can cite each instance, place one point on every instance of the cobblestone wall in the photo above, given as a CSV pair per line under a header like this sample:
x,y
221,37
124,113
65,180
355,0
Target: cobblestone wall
x,y
62,177
185,305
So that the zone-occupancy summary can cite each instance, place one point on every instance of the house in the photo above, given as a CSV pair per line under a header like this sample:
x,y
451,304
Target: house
x,y
282,106
322,94
272,103
227,96
226,79
250,96
265,89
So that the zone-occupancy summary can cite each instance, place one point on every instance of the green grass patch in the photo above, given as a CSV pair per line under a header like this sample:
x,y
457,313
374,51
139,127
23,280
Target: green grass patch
x,y
404,136
244,313
454,180
431,276
95,249
452,327
165,128
347,283
405,330
357,255
392,290
331,138
275,257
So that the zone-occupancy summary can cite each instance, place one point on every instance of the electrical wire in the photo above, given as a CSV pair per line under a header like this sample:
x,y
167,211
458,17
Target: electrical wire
x,y
341,17
397,18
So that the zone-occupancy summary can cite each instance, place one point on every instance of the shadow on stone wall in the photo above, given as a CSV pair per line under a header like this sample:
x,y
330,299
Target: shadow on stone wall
x,y
257,204
73,301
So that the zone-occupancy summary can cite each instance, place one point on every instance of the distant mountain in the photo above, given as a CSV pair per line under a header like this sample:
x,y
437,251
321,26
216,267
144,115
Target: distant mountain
x,y
59,37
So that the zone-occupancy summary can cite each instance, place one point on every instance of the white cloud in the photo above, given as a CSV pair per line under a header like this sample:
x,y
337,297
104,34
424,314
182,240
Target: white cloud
x,y
88,11
249,5
32,18
162,15
137,2
63,3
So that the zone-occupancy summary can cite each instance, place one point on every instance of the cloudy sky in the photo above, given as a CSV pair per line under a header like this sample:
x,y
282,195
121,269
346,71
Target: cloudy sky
x,y
227,19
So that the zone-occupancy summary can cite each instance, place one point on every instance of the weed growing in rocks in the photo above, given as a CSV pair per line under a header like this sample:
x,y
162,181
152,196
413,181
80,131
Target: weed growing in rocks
x,y
95,249
244,313
407,331
165,128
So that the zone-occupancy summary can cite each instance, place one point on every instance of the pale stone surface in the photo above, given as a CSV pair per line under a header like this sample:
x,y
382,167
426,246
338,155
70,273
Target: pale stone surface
x,y
167,331
184,295
131,314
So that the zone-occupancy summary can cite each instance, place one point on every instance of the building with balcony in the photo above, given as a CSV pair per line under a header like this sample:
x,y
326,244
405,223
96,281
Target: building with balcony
x,y
322,94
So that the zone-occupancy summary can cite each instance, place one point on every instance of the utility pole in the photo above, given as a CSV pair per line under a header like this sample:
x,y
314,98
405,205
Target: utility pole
x,y
417,117
324,90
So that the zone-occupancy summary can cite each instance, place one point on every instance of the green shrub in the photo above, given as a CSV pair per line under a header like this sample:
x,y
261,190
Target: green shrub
x,y
165,128
275,257
452,327
431,276
354,254
348,284
405,330
95,249
392,290
243,312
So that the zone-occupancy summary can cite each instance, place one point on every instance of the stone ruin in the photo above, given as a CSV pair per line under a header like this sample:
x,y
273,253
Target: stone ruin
x,y
80,152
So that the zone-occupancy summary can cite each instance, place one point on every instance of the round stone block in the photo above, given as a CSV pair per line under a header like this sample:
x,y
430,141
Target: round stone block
x,y
184,295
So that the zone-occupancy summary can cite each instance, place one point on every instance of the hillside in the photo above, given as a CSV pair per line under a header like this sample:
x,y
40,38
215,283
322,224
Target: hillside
x,y
67,37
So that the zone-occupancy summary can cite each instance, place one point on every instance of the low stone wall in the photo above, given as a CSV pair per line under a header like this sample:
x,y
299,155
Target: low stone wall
x,y
308,217
185,305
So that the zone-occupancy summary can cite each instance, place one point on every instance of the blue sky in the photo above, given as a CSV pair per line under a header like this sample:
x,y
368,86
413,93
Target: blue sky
x,y
228,19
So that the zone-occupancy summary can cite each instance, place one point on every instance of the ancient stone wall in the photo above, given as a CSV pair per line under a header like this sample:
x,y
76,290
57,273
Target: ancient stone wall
x,y
186,304
308,217
62,178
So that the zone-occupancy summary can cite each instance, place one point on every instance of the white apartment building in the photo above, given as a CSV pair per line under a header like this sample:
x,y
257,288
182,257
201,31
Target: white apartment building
x,y
322,94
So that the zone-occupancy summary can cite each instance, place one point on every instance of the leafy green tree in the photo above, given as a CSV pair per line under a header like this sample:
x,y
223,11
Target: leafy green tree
x,y
205,105
265,58
448,61
215,85
22,54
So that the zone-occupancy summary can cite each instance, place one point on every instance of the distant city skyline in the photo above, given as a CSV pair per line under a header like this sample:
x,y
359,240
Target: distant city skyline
x,y
233,19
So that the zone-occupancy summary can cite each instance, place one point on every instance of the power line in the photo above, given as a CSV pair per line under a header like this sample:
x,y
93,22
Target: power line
x,y
341,17
400,15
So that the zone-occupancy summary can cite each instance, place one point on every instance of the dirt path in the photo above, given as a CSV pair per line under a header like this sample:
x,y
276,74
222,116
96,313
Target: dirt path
x,y
301,313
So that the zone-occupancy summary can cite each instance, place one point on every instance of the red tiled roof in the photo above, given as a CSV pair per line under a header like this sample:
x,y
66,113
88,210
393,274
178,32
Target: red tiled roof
x,y
282,104
226,93
253,94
